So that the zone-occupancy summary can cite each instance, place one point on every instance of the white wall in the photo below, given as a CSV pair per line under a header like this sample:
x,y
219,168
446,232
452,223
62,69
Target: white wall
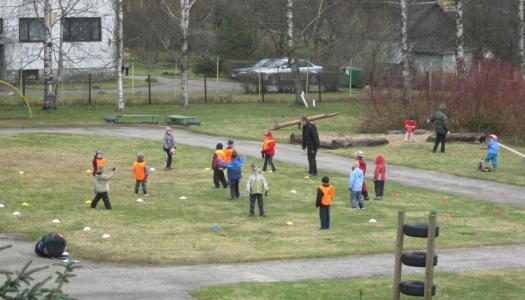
x,y
79,55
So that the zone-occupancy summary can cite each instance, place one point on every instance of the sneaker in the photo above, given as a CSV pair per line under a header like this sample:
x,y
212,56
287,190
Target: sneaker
x,y
378,198
362,208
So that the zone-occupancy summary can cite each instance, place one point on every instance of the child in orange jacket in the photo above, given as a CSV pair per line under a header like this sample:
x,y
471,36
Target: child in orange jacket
x,y
268,151
141,174
98,162
410,125
325,197
379,177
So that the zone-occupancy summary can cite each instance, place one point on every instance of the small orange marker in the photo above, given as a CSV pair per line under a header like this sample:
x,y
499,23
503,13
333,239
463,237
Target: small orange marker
x,y
444,202
448,216
395,194
496,210
505,213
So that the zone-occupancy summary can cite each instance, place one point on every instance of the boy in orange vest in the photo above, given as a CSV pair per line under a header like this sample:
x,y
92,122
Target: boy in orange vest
x,y
325,197
218,168
268,151
141,174
228,152
98,162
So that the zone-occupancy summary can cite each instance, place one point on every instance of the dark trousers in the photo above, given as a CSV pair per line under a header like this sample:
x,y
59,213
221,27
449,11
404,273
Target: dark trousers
x,y
218,178
379,186
169,157
324,215
144,186
234,189
312,164
104,196
268,160
260,202
440,138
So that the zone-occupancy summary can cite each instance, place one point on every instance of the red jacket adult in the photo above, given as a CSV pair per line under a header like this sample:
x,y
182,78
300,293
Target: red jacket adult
x,y
379,172
410,125
362,166
269,144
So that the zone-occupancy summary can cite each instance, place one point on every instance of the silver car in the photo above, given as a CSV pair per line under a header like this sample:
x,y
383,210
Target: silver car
x,y
240,71
277,67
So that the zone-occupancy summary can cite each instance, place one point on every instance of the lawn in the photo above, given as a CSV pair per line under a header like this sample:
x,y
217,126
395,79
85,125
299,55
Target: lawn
x,y
169,230
493,284
460,159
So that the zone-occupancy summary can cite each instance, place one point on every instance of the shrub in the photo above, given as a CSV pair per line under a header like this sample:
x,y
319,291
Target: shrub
x,y
488,99
205,65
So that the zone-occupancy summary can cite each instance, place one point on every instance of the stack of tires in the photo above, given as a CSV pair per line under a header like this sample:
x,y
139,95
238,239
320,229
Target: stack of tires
x,y
416,259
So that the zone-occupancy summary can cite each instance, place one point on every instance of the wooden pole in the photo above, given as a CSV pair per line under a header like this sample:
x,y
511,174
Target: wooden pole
x,y
262,85
217,81
319,85
259,81
307,78
205,90
89,88
149,89
132,78
429,265
350,79
396,294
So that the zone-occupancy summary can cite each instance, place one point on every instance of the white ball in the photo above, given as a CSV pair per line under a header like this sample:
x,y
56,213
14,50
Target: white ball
x,y
293,191
372,221
152,169
16,213
139,200
1,205
56,221
106,236
183,198
87,228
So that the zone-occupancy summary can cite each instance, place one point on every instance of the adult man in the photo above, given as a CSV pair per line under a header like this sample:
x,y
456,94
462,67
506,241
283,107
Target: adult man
x,y
440,120
311,144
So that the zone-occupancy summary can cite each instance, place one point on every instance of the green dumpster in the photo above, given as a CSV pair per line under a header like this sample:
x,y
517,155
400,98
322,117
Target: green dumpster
x,y
355,76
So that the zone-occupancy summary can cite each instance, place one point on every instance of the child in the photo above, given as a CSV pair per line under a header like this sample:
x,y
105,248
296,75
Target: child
x,y
410,127
492,154
379,177
98,162
102,188
268,151
217,167
256,187
229,151
141,174
169,146
355,185
360,156
325,197
234,174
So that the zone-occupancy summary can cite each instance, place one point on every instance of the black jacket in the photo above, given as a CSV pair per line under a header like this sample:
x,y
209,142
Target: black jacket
x,y
310,137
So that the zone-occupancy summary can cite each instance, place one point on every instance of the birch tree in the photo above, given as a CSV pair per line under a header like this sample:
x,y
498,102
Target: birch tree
x,y
49,97
404,49
290,49
119,51
521,9
460,52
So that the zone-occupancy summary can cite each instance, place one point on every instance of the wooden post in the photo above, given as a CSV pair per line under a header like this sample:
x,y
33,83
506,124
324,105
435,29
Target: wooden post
x,y
307,78
132,78
429,265
89,88
319,83
217,81
149,89
205,90
399,251
23,84
350,79
259,77
430,79
262,85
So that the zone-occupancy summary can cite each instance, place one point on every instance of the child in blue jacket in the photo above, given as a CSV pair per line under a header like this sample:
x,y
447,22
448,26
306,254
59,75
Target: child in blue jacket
x,y
234,174
355,185
492,154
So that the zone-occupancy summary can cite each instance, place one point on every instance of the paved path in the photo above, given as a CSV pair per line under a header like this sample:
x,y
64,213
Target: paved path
x,y
106,281
444,183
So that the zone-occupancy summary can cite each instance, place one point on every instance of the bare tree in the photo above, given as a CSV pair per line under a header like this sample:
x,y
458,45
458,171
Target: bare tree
x,y
460,40
290,49
521,8
119,51
404,48
49,97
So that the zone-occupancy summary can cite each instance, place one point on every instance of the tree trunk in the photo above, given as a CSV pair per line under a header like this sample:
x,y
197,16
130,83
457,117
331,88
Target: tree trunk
x,y
521,9
49,98
460,53
290,45
60,65
405,50
119,45
185,7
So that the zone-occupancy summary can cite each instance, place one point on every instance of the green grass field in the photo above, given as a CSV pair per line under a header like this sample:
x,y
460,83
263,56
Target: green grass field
x,y
169,230
493,284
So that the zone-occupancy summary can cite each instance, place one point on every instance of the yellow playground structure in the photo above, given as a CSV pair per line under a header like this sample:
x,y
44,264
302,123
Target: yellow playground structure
x,y
20,96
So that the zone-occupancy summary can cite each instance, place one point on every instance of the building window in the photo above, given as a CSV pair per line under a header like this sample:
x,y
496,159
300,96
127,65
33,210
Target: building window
x,y
31,29
82,30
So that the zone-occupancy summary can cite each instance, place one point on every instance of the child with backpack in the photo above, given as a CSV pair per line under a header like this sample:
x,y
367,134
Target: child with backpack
x,y
257,186
360,157
268,151
355,185
141,174
234,168
379,177
410,125
217,167
325,198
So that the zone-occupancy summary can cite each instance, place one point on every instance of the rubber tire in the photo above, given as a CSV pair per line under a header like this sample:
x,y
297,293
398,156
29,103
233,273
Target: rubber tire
x,y
415,288
416,259
418,230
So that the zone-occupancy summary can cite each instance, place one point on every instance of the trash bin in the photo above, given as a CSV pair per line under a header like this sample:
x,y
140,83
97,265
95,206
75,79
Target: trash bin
x,y
356,76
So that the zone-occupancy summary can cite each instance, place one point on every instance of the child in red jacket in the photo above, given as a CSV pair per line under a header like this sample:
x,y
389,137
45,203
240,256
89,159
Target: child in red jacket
x,y
410,126
360,157
268,151
379,177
